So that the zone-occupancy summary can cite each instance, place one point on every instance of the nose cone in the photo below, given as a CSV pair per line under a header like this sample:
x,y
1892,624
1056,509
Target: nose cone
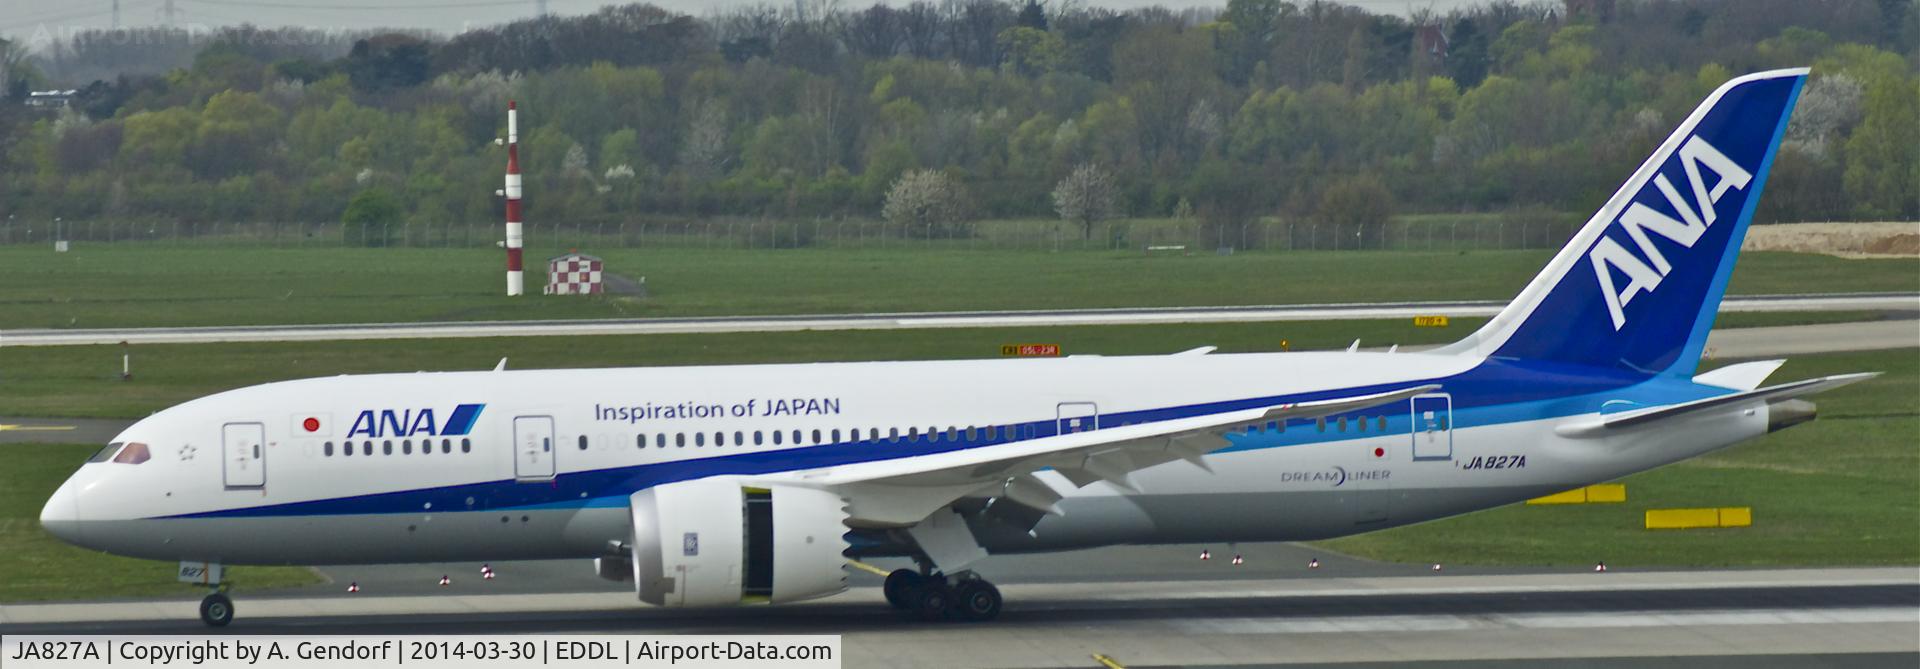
x,y
61,515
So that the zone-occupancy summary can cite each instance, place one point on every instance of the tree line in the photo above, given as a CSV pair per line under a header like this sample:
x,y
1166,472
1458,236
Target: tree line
x,y
1257,108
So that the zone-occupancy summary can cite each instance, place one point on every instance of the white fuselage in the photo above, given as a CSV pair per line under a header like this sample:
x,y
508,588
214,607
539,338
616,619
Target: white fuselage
x,y
551,456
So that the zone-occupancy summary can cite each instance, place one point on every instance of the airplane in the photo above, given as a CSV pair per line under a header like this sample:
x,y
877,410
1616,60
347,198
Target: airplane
x,y
754,484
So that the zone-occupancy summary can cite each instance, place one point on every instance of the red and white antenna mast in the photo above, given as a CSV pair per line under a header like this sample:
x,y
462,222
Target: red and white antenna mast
x,y
516,279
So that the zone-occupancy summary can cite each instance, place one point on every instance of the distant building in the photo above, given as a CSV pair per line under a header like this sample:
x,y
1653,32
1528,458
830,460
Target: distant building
x,y
51,99
1431,40
1599,10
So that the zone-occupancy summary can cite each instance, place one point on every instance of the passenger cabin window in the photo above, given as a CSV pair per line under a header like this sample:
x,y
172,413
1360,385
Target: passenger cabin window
x,y
466,446
776,437
386,447
640,440
757,437
406,447
583,442
135,453
327,449
699,439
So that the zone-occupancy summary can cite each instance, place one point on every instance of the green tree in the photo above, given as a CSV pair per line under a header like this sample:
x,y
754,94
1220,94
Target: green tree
x,y
371,218
1883,157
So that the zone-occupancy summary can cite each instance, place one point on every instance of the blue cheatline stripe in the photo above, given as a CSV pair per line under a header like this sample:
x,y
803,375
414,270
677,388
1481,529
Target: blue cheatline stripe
x,y
1689,359
1493,392
461,422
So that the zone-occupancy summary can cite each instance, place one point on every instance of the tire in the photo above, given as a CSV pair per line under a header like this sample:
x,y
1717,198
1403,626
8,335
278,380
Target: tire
x,y
900,587
216,610
976,601
930,603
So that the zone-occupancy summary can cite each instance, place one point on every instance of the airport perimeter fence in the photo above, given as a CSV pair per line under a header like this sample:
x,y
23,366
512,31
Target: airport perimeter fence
x,y
1149,236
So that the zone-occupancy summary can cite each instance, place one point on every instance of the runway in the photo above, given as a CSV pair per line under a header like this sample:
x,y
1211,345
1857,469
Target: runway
x,y
961,319
1855,617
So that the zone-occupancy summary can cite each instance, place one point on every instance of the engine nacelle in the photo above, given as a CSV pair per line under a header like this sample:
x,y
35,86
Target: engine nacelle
x,y
718,542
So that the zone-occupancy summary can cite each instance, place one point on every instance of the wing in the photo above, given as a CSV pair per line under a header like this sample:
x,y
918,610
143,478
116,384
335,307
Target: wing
x,y
1616,423
905,491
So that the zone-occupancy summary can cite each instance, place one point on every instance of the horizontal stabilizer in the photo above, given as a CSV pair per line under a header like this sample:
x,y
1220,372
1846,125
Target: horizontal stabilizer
x,y
1743,376
1615,423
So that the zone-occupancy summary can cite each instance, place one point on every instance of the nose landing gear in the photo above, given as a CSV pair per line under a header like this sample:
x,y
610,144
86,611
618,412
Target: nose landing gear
x,y
934,596
216,609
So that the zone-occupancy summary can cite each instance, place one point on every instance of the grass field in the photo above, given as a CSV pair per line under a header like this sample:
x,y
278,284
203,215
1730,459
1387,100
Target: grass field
x,y
1843,490
132,285
84,381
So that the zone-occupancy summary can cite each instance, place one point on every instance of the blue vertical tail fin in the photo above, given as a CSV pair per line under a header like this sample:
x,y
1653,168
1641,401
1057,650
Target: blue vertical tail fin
x,y
1637,287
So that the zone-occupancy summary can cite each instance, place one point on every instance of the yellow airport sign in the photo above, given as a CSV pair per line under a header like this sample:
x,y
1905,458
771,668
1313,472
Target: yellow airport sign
x,y
1680,519
1599,493
1429,321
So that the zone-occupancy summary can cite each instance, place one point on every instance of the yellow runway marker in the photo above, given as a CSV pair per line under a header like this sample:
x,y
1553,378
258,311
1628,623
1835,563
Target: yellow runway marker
x,y
862,566
1108,662
34,428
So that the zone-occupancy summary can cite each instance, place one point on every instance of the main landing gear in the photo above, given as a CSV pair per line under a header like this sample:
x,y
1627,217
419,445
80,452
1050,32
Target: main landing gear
x,y
216,610
935,596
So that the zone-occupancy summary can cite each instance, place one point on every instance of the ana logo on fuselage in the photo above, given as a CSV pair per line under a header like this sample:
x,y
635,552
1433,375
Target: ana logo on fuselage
x,y
1640,218
409,422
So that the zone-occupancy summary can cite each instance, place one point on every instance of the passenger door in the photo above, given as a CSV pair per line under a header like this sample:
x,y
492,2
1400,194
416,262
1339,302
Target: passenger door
x,y
243,448
1071,417
533,448
1433,427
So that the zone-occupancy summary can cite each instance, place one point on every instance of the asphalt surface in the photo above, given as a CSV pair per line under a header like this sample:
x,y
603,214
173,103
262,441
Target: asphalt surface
x,y
960,319
1860,617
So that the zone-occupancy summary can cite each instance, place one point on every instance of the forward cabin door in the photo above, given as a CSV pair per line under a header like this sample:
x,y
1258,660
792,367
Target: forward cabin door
x,y
533,448
243,447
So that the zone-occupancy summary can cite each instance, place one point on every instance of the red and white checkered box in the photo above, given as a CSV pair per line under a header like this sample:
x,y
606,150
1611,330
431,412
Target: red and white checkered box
x,y
574,274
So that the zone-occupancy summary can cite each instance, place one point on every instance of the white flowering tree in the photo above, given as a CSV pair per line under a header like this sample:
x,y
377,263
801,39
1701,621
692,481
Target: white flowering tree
x,y
926,203
1087,196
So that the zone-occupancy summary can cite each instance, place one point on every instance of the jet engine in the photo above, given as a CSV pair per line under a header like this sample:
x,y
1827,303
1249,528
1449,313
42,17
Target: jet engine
x,y
719,542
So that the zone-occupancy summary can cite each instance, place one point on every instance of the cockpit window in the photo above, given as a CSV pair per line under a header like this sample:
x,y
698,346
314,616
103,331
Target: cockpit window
x,y
106,453
135,453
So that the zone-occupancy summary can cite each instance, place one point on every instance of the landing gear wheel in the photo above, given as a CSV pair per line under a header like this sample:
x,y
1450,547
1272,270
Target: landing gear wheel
x,y
976,600
900,587
216,610
931,600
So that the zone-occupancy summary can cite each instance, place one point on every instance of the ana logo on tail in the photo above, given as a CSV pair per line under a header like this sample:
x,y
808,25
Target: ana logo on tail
x,y
1640,218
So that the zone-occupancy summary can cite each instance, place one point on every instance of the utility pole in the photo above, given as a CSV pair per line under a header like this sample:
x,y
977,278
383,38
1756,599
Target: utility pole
x,y
116,14
169,11
515,278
